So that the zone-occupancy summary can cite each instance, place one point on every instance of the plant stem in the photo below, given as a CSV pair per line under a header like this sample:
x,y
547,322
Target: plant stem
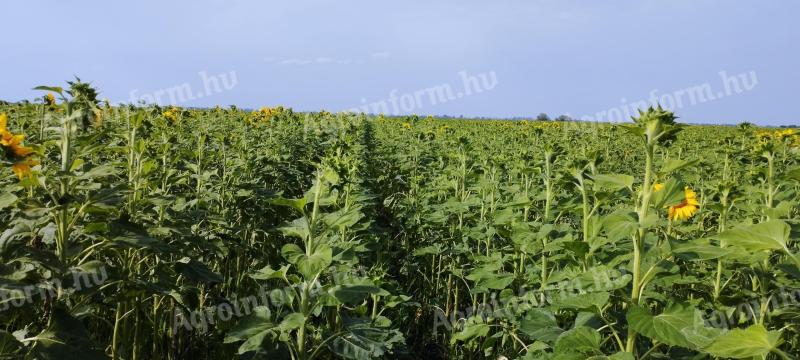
x,y
638,241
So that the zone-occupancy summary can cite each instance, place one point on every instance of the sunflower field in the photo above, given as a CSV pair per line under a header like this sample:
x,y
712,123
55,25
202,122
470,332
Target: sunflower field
x,y
147,232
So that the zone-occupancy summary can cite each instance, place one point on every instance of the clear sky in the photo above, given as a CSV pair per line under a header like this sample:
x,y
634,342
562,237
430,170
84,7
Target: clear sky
x,y
589,59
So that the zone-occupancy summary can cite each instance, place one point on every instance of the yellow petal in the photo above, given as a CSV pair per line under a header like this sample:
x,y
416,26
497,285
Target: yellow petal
x,y
658,187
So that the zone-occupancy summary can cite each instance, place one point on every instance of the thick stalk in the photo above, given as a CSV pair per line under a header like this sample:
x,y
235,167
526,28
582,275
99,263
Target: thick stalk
x,y
770,181
638,240
545,220
722,222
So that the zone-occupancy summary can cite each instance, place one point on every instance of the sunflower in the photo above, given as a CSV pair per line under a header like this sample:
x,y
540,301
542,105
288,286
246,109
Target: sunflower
x,y
11,145
687,208
788,133
407,125
12,142
49,99
23,167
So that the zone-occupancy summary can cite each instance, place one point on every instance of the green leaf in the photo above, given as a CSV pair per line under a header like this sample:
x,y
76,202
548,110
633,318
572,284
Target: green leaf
x,y
66,339
770,235
354,293
135,241
55,89
700,336
309,266
8,344
292,321
7,199
197,271
428,250
619,225
258,321
297,204
614,181
570,300
297,228
698,249
362,341
671,194
495,281
343,218
673,165
267,273
582,339
791,174
98,171
617,356
253,329
540,324
665,327
755,341
470,332
256,342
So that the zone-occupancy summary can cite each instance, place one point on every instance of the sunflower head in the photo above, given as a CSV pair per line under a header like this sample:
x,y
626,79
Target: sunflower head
x,y
656,125
12,149
23,168
171,114
50,99
687,208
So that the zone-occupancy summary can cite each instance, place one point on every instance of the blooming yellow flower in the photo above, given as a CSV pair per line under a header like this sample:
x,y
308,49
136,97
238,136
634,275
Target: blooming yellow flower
x,y
687,208
23,168
171,114
11,141
407,125
784,134
19,153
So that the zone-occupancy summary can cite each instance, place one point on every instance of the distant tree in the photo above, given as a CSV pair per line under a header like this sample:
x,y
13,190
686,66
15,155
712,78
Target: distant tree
x,y
542,117
563,118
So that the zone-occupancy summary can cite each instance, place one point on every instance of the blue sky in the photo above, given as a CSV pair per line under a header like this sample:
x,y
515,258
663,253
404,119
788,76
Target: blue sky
x,y
588,59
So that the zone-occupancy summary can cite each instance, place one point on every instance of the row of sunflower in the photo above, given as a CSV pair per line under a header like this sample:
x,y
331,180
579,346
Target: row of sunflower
x,y
789,136
266,114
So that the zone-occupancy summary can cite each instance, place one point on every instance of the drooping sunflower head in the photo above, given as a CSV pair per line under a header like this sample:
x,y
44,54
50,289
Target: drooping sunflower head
x,y
687,208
